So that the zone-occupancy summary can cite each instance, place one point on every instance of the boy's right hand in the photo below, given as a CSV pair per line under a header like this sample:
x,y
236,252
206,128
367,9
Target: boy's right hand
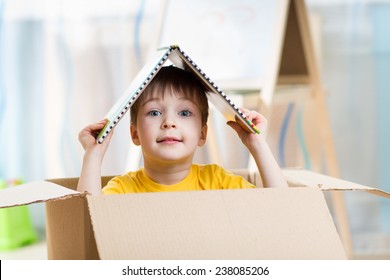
x,y
87,138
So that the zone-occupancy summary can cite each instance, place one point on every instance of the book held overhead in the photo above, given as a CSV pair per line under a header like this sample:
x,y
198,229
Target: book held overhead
x,y
179,59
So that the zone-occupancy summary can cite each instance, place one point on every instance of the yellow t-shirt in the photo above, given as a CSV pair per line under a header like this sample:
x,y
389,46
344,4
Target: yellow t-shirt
x,y
201,177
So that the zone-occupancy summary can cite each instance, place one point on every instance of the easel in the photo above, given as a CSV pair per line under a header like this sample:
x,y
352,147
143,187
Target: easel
x,y
298,67
292,62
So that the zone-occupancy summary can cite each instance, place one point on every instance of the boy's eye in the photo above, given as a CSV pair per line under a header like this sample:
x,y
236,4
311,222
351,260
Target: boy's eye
x,y
154,113
185,113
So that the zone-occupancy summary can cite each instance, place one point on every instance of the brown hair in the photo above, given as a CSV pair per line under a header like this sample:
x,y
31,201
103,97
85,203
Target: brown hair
x,y
178,81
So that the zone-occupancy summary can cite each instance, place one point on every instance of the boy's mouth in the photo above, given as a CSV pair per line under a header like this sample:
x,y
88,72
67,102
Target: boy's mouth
x,y
169,140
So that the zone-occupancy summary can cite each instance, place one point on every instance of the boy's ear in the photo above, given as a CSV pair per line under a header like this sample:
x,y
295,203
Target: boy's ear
x,y
203,136
134,134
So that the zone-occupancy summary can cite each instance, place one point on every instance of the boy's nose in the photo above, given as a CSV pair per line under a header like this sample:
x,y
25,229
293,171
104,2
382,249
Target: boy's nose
x,y
168,124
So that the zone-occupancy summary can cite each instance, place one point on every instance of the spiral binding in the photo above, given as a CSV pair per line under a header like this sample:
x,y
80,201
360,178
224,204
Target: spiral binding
x,y
212,85
217,89
139,91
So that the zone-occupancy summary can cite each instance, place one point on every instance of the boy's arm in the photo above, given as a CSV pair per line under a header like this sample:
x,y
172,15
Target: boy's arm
x,y
267,165
90,177
257,145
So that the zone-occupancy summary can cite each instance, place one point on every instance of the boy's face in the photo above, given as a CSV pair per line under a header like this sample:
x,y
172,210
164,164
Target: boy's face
x,y
169,129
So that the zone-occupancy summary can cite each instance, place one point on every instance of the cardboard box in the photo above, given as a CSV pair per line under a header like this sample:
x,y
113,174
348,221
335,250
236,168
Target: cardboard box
x,y
292,223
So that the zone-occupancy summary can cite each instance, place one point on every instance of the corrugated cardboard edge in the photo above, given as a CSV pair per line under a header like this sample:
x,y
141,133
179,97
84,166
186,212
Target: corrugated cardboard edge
x,y
70,236
35,192
43,191
302,177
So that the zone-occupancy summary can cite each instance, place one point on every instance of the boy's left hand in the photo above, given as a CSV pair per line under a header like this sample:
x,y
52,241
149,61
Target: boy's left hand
x,y
249,139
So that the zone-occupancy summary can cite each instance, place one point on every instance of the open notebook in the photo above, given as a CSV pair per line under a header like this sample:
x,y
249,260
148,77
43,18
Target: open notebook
x,y
180,59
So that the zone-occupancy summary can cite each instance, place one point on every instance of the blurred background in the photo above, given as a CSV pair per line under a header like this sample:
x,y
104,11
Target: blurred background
x,y
63,64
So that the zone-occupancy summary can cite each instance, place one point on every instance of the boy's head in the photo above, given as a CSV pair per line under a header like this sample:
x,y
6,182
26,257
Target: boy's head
x,y
169,118
182,83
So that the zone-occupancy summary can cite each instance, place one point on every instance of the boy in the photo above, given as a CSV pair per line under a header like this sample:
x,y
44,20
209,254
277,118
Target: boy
x,y
169,122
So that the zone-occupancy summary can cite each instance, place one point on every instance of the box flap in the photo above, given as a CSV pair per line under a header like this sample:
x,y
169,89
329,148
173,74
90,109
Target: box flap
x,y
39,191
301,177
292,223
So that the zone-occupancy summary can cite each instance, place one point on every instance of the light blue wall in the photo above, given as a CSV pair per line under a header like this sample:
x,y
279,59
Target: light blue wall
x,y
380,16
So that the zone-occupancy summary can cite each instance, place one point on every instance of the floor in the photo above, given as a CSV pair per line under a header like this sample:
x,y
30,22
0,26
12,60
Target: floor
x,y
368,224
37,251
368,246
